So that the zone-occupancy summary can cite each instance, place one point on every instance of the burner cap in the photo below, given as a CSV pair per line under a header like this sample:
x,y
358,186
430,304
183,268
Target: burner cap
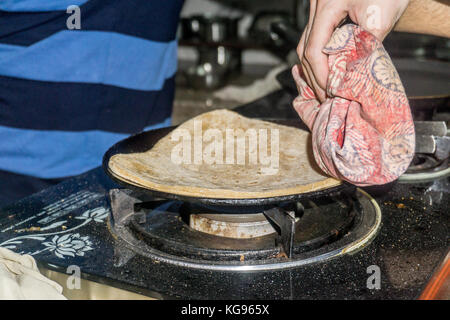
x,y
238,226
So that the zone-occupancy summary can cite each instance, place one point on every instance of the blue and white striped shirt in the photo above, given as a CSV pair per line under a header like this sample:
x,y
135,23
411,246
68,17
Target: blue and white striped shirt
x,y
67,95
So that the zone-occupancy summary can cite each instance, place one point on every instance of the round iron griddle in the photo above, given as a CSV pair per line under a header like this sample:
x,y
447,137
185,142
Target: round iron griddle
x,y
144,141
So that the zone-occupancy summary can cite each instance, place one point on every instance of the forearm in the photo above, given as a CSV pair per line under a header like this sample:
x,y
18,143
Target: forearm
x,y
426,16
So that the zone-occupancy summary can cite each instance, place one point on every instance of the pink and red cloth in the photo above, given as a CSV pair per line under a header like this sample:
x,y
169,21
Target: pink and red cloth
x,y
364,132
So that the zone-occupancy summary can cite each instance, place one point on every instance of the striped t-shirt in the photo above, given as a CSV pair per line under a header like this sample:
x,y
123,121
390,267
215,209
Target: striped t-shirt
x,y
67,95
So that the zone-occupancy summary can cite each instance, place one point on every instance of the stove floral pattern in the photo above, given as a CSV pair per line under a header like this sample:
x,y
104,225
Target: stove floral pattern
x,y
98,215
68,245
65,243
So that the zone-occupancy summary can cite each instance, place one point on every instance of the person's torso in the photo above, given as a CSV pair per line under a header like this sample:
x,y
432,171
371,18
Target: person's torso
x,y
66,95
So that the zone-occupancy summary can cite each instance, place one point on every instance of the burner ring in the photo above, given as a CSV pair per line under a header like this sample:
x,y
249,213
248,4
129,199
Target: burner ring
x,y
363,231
423,163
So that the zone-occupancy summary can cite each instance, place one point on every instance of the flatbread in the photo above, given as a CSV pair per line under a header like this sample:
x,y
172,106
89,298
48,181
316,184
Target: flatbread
x,y
170,167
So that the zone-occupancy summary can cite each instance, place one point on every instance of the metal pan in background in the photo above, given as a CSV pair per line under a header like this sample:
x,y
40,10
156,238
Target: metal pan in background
x,y
144,141
426,82
427,85
425,78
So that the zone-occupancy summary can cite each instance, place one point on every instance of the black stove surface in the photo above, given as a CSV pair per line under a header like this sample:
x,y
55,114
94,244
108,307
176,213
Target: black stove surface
x,y
67,225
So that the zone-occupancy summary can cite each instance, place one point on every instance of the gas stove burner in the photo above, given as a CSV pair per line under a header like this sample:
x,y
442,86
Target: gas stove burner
x,y
238,226
431,160
240,222
424,163
424,168
251,238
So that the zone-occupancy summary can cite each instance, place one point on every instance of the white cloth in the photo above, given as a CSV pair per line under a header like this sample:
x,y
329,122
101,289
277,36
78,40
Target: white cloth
x,y
20,279
254,91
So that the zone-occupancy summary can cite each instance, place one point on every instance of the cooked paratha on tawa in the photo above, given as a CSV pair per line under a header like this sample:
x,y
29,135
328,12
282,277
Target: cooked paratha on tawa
x,y
160,169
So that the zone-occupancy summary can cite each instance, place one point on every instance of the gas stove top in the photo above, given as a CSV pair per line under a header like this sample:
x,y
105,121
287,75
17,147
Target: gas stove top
x,y
431,159
325,248
73,224
236,238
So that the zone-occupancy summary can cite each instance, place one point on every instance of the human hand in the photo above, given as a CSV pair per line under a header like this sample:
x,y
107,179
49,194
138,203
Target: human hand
x,y
375,16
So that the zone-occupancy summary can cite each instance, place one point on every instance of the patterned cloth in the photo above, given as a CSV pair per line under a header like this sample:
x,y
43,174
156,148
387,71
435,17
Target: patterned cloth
x,y
364,132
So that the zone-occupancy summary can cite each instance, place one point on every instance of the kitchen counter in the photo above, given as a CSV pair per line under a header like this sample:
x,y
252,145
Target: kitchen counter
x,y
190,102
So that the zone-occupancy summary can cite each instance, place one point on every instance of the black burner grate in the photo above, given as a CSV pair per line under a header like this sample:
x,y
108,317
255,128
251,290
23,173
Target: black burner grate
x,y
315,228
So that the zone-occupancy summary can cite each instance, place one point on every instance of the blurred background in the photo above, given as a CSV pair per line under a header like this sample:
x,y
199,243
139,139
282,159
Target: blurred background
x,y
232,52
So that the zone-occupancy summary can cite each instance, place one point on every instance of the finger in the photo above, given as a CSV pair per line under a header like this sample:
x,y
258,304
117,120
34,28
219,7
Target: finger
x,y
305,33
312,14
312,82
296,74
306,77
325,21
307,71
301,46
